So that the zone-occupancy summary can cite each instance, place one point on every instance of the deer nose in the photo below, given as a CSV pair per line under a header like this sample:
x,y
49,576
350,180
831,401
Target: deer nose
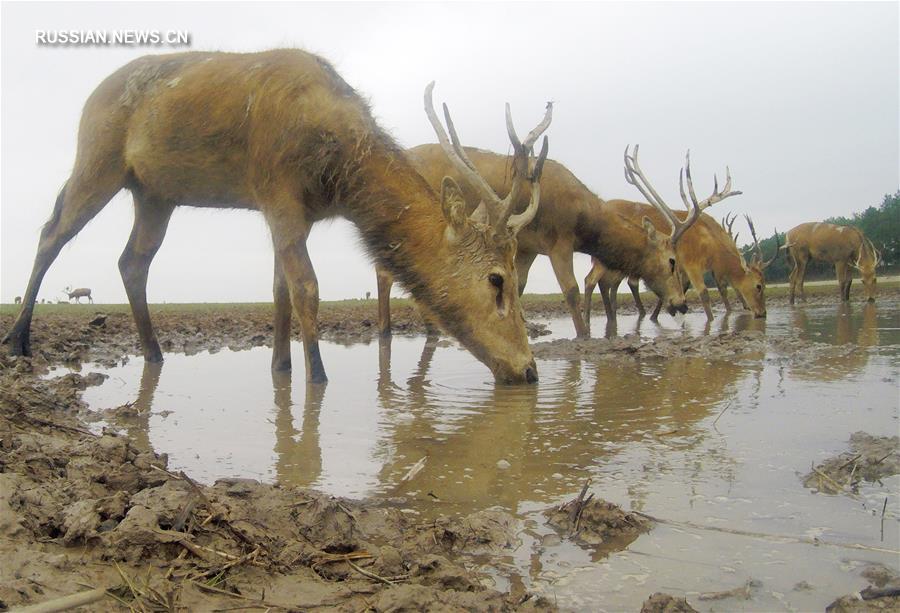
x,y
531,375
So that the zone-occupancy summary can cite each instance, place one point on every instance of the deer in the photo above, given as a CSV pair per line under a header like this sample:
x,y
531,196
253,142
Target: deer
x,y
78,293
18,299
842,246
571,219
282,133
703,246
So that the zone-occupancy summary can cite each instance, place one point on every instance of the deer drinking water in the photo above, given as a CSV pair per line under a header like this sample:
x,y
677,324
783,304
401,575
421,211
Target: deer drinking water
x,y
843,246
281,132
79,293
571,218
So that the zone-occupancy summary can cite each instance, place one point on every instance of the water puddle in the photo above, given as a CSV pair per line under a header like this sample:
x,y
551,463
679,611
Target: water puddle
x,y
721,444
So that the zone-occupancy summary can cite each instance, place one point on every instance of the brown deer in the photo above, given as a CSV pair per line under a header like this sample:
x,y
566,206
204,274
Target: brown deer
x,y
78,293
571,218
281,132
18,299
712,250
843,246
704,246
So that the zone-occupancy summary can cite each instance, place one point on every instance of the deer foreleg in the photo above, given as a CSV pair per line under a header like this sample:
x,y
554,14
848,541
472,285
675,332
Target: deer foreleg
x,y
385,281
304,290
561,260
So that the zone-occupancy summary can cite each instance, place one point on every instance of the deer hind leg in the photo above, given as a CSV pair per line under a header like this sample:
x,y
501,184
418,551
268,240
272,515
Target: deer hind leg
x,y
590,282
281,345
151,219
523,266
634,286
798,272
78,202
609,288
290,248
385,281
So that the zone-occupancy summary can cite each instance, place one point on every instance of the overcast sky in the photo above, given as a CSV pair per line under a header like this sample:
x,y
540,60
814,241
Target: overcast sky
x,y
801,100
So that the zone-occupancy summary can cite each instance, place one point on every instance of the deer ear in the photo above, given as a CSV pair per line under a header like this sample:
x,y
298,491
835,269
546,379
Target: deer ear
x,y
452,203
650,228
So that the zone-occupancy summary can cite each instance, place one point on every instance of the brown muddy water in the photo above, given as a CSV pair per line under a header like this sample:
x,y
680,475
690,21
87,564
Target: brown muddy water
x,y
716,448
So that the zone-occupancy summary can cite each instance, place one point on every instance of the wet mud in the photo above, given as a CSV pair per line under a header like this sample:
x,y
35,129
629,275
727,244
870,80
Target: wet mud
x,y
870,458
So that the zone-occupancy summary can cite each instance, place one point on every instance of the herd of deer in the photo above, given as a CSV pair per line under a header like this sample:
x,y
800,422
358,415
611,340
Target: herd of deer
x,y
282,133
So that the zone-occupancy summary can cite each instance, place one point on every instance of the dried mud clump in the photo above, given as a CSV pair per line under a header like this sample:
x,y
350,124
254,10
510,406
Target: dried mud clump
x,y
596,522
883,593
664,603
871,458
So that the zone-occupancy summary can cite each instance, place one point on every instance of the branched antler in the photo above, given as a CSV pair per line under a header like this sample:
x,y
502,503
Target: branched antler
x,y
499,211
728,223
758,256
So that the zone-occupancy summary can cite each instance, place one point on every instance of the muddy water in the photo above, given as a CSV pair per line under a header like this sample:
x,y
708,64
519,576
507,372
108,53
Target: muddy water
x,y
718,444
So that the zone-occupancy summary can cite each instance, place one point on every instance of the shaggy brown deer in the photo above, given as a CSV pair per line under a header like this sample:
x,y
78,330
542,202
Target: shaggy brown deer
x,y
571,218
843,246
696,251
281,132
78,293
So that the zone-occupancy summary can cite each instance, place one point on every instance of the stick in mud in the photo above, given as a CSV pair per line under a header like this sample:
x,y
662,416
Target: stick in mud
x,y
64,603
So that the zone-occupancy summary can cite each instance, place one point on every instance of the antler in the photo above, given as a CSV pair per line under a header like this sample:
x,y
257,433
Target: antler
x,y
499,210
727,223
635,177
763,264
716,196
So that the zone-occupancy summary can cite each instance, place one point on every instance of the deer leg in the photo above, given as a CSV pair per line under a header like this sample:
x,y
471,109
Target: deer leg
x,y
590,282
523,265
78,202
561,261
151,218
385,281
842,271
654,316
304,291
281,345
696,280
723,293
634,286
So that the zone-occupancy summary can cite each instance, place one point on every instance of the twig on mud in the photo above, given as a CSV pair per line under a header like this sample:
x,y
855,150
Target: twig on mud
x,y
837,486
250,557
258,601
578,507
369,575
180,557
777,537
197,549
847,463
886,456
51,424
328,558
64,603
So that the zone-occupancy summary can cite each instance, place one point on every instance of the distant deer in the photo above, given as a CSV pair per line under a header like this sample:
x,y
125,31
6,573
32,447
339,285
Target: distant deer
x,y
79,293
281,132
843,246
571,218
18,299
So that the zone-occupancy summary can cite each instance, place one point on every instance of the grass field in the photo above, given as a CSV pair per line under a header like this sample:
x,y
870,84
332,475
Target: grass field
x,y
816,288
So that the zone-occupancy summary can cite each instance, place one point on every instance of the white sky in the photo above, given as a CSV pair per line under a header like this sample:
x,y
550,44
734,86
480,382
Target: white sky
x,y
801,100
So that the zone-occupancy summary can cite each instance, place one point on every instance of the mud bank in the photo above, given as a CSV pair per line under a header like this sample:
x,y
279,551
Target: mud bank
x,y
77,510
871,458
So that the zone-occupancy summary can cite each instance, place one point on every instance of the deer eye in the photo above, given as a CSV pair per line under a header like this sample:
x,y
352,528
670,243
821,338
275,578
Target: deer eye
x,y
758,287
496,280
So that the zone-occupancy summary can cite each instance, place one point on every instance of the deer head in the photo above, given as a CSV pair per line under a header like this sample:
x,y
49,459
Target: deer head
x,y
752,285
866,263
480,278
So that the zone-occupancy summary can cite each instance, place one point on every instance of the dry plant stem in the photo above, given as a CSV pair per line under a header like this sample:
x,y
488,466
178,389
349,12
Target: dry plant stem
x,y
250,557
722,412
834,484
369,575
264,603
777,537
66,602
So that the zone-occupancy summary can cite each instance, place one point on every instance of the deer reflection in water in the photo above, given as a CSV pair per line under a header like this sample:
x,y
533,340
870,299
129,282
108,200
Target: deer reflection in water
x,y
299,454
845,328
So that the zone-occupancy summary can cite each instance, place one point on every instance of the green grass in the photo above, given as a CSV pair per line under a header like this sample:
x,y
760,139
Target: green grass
x,y
780,290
